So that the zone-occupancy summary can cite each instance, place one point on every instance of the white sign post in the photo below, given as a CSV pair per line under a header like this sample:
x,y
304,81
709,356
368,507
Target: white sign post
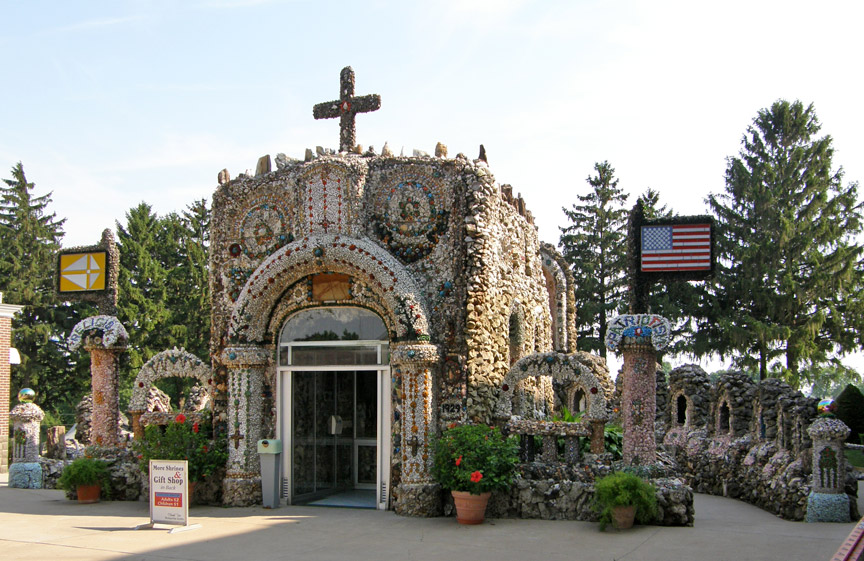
x,y
169,495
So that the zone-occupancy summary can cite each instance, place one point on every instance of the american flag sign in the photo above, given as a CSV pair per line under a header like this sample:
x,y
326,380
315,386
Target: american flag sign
x,y
676,247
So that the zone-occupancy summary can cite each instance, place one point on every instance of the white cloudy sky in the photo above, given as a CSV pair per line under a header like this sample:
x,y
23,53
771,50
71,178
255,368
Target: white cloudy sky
x,y
110,103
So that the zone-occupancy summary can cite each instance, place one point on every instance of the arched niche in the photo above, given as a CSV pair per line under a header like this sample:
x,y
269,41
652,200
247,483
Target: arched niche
x,y
167,364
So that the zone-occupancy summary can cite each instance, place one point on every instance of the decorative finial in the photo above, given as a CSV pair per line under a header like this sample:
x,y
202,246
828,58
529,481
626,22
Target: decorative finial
x,y
346,108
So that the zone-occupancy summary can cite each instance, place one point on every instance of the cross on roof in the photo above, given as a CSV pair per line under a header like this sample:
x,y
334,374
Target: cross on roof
x,y
346,107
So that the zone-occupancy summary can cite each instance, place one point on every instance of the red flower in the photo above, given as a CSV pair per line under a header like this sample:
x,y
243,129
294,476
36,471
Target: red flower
x,y
476,477
205,448
195,427
458,460
181,418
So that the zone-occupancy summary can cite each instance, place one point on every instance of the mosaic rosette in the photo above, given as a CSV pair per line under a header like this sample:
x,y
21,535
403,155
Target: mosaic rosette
x,y
408,217
264,228
638,329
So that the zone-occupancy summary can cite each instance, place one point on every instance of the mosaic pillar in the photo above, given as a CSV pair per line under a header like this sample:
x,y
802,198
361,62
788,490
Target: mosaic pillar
x,y
247,367
105,338
105,379
828,501
638,337
418,494
25,471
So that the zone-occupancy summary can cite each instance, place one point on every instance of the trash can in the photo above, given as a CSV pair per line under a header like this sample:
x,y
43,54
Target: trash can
x,y
270,451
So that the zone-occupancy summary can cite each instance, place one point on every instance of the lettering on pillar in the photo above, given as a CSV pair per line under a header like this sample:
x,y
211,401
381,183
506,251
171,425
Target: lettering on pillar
x,y
637,411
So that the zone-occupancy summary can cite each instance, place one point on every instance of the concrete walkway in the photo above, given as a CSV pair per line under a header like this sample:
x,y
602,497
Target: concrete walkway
x,y
43,525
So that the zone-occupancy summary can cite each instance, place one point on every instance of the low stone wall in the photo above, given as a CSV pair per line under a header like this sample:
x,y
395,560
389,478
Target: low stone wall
x,y
128,482
567,492
755,471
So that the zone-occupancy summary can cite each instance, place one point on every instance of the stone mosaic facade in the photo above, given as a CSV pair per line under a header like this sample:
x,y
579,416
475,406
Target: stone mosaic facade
x,y
448,259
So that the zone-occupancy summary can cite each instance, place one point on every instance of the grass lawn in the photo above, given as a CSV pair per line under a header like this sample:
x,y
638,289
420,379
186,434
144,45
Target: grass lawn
x,y
855,457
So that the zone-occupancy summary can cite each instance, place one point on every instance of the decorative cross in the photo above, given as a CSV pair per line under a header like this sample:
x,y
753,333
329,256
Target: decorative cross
x,y
414,443
346,107
236,437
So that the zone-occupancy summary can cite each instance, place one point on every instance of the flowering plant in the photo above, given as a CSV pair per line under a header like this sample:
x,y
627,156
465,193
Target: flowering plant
x,y
474,458
181,440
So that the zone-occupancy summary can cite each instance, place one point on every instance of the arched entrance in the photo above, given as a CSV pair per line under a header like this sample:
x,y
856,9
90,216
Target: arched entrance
x,y
334,407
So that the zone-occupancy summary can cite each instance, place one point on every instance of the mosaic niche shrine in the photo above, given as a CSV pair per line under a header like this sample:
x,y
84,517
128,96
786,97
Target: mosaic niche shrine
x,y
360,303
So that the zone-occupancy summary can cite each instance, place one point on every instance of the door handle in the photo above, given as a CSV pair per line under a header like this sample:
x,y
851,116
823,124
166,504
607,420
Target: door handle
x,y
335,425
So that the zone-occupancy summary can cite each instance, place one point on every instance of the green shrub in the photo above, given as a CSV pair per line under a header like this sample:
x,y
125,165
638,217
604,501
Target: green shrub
x,y
85,471
474,458
182,440
624,489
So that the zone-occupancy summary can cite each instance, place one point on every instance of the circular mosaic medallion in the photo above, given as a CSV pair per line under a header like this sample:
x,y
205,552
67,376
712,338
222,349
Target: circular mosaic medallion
x,y
264,229
409,219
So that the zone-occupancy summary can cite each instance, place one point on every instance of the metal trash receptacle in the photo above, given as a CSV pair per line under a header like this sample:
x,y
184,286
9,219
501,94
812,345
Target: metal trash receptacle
x,y
270,452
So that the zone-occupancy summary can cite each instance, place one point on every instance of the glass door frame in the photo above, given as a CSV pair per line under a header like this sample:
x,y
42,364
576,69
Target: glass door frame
x,y
284,425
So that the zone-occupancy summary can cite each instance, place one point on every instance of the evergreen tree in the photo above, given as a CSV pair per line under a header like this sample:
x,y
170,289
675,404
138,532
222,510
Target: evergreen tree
x,y
595,246
143,288
789,274
30,236
164,287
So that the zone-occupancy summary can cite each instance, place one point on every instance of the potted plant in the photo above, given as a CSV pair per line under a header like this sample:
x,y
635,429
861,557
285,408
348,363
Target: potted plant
x,y
183,440
472,461
622,497
86,477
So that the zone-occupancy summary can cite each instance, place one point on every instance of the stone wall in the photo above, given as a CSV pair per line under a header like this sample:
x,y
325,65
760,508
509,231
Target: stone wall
x,y
756,451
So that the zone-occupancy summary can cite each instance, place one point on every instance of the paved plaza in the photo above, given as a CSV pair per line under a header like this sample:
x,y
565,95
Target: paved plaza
x,y
42,525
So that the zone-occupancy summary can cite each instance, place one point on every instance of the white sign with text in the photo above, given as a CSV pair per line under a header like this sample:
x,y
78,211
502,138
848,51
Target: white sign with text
x,y
169,492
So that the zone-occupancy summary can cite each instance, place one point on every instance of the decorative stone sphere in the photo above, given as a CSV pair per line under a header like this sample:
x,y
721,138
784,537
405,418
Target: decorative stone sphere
x,y
826,407
26,395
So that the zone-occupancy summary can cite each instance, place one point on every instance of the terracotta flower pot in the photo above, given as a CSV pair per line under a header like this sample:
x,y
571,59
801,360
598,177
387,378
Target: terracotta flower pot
x,y
470,509
623,516
89,493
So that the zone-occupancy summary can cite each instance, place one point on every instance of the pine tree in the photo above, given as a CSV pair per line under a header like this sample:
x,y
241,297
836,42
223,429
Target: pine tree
x,y
30,236
789,277
595,246
164,286
143,288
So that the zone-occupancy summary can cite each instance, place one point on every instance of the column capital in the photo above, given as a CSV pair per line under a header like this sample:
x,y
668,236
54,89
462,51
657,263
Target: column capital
x,y
638,330
239,356
414,353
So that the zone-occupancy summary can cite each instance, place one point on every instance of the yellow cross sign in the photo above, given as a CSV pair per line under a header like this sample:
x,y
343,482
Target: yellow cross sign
x,y
82,271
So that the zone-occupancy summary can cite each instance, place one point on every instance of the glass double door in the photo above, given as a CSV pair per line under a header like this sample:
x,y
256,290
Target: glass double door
x,y
334,432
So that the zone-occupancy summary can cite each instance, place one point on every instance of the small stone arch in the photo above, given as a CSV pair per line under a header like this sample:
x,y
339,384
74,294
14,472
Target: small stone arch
x,y
559,286
723,424
682,407
382,273
561,367
169,364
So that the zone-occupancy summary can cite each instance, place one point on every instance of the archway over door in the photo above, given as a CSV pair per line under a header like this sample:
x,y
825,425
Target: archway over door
x,y
334,407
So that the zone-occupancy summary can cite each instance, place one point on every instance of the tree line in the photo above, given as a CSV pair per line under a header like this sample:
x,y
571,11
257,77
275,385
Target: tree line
x,y
163,300
786,297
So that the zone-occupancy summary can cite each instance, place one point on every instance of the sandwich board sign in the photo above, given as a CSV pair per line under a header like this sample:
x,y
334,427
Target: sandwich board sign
x,y
169,495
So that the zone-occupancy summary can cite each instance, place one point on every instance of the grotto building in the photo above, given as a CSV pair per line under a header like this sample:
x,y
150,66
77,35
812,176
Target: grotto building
x,y
361,302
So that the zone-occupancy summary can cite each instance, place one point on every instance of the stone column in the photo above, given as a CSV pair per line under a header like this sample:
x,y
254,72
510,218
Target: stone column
x,y
828,501
247,367
638,337
105,338
105,375
418,494
25,471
